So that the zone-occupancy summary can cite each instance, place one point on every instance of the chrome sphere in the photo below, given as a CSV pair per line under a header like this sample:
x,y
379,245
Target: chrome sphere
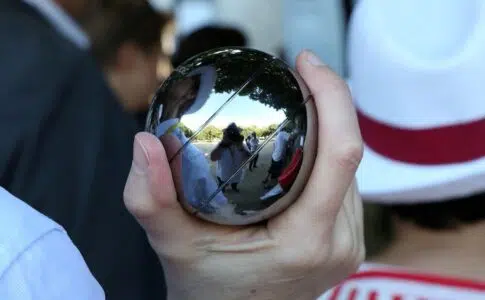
x,y
239,129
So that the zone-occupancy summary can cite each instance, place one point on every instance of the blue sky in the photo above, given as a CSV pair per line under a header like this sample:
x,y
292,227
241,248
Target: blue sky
x,y
242,110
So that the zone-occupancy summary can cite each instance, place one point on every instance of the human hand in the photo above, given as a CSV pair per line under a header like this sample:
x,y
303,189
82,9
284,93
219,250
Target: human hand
x,y
298,254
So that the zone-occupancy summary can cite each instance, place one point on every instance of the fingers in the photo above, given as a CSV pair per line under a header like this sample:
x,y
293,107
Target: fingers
x,y
149,193
339,147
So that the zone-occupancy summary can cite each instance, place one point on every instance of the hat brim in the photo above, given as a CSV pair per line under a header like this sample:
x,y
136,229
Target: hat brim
x,y
208,78
386,181
382,180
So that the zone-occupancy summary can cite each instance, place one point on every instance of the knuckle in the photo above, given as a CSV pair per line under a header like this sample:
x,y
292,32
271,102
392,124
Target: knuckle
x,y
360,257
349,155
134,207
350,256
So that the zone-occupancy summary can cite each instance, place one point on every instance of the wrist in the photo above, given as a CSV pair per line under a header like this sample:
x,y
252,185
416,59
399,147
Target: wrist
x,y
185,290
187,285
220,293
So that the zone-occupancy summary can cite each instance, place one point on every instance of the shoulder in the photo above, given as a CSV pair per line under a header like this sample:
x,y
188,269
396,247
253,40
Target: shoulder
x,y
37,256
40,67
35,47
390,282
20,227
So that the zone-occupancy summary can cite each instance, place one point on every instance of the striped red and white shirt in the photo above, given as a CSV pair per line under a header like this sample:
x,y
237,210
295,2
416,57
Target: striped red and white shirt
x,y
380,282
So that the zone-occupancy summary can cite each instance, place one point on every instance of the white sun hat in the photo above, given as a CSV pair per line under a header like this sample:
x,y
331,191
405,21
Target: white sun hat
x,y
208,76
417,75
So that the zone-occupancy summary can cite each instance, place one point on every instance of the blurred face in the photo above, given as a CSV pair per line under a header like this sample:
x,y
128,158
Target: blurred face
x,y
146,76
134,76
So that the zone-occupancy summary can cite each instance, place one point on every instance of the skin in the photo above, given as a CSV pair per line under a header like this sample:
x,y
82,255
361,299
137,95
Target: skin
x,y
457,253
298,254
133,76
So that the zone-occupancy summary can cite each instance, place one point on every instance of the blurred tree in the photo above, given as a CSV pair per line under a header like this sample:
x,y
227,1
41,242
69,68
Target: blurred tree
x,y
249,130
186,130
267,131
209,133
270,80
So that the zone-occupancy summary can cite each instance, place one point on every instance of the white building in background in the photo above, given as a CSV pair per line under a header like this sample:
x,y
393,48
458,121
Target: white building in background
x,y
271,25
318,25
260,20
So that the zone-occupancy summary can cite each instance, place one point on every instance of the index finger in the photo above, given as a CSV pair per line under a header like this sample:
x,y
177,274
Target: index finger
x,y
339,149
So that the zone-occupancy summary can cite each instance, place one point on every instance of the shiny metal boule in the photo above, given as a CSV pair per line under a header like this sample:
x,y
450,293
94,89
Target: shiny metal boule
x,y
239,129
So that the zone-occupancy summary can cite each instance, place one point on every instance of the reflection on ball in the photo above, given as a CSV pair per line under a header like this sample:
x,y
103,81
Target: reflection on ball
x,y
239,132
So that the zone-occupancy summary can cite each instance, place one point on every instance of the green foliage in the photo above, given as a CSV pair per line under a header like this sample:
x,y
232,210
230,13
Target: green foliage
x,y
267,131
212,133
186,130
271,82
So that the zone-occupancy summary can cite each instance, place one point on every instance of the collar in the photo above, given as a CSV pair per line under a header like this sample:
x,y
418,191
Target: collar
x,y
66,25
166,127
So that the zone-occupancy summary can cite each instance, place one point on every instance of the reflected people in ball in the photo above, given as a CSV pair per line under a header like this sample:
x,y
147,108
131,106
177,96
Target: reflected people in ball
x,y
210,114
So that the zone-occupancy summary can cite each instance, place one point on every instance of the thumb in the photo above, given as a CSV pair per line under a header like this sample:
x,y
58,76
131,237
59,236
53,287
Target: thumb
x,y
149,193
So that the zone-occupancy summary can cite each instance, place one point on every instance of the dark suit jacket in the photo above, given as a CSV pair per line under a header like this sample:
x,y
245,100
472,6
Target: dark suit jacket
x,y
66,149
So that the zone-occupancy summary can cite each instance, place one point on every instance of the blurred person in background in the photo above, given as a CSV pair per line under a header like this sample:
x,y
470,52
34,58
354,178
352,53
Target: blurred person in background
x,y
126,39
229,154
207,38
415,75
67,142
253,146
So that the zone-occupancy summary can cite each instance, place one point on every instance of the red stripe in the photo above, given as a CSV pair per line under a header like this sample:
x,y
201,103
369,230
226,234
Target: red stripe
x,y
422,278
444,145
419,278
336,293
353,294
373,295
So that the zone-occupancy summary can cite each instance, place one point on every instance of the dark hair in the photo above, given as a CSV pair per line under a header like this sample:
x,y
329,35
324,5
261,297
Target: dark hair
x,y
450,214
123,21
233,132
207,38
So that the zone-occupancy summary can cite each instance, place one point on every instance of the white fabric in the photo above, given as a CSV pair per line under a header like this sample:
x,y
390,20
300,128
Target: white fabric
x,y
61,21
197,181
230,161
253,143
38,261
418,65
382,180
406,287
164,126
279,149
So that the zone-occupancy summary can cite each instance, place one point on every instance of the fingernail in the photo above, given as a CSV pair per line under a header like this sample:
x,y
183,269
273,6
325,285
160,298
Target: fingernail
x,y
140,156
313,59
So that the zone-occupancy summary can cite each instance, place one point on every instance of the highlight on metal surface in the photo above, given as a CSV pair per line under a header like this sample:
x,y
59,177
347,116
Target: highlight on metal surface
x,y
239,131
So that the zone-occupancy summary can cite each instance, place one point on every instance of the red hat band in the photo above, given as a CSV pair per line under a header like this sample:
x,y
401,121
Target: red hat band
x,y
435,146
